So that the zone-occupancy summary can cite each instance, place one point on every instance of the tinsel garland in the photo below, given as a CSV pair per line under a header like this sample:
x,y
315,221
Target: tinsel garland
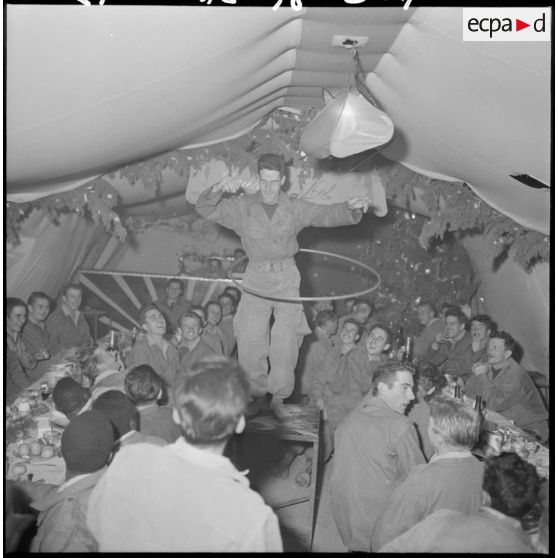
x,y
452,207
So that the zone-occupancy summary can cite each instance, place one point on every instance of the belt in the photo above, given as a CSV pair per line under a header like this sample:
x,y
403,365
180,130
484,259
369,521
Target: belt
x,y
273,267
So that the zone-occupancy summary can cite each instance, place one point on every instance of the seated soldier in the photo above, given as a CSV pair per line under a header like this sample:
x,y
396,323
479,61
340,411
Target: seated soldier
x,y
192,347
507,388
429,382
152,348
450,350
432,326
451,480
20,364
228,307
203,504
86,447
145,388
66,326
123,416
212,334
174,304
314,348
363,312
348,305
510,488
70,398
109,372
318,306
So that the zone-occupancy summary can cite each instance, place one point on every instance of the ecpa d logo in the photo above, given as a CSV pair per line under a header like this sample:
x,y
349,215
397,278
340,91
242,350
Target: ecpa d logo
x,y
507,24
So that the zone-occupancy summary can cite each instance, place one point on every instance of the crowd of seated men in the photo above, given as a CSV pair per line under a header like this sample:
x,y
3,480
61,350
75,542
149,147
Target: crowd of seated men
x,y
154,423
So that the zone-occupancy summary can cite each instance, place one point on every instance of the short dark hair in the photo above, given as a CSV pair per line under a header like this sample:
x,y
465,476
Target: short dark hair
x,y
355,323
509,341
234,290
198,308
72,287
455,421
456,313
11,303
429,376
229,296
174,280
142,384
324,316
116,406
387,372
211,303
486,320
34,296
210,398
385,329
271,161
192,315
511,483
428,303
145,309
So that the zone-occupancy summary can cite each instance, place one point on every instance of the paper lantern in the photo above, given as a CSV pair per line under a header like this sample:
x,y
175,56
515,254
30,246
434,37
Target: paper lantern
x,y
349,124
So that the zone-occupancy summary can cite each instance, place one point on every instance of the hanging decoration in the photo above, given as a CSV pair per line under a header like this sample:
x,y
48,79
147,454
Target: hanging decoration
x,y
453,207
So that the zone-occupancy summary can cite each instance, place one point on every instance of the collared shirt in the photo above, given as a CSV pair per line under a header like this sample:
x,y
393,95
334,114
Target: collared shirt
x,y
188,357
18,377
203,504
66,331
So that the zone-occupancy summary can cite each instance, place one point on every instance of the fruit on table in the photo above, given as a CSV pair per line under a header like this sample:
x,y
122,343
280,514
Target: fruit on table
x,y
35,447
24,450
47,451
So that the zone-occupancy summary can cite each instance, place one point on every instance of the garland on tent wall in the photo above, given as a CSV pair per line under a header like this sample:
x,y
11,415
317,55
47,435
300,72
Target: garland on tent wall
x,y
453,207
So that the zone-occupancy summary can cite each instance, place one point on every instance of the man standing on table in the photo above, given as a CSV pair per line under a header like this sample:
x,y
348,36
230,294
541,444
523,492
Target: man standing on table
x,y
268,222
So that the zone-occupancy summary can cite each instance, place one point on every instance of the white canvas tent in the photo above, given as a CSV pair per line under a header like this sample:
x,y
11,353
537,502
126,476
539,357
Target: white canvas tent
x,y
91,89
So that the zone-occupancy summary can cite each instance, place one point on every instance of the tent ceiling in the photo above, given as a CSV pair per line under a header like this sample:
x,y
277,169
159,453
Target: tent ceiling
x,y
92,89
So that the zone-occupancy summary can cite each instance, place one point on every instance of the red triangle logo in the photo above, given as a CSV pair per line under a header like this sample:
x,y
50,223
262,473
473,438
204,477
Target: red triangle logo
x,y
519,25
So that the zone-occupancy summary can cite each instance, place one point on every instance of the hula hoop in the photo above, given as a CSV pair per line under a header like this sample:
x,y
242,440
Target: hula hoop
x,y
357,294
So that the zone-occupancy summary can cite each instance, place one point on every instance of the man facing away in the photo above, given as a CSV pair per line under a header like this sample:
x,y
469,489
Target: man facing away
x,y
67,326
268,222
506,387
510,489
452,479
203,504
376,446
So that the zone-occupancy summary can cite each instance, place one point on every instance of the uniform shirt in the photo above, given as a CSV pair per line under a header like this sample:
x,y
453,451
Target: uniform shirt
x,y
455,359
226,325
155,420
36,338
179,498
165,363
511,392
427,336
189,357
418,412
451,480
269,240
19,366
375,448
312,354
64,332
449,531
216,338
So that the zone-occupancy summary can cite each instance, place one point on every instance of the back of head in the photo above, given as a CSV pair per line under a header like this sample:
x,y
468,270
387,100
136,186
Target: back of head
x,y
210,399
143,384
271,161
87,442
387,373
69,397
456,422
118,409
512,484
429,377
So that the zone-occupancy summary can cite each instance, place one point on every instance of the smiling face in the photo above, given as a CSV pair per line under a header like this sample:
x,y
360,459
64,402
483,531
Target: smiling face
x,y
154,322
214,314
16,320
453,327
270,185
497,352
479,331
400,394
376,342
349,334
190,328
72,299
39,310
174,290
